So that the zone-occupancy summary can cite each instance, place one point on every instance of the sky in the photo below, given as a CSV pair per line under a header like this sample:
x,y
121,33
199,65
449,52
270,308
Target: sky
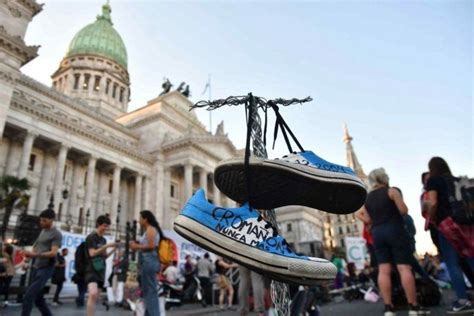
x,y
399,73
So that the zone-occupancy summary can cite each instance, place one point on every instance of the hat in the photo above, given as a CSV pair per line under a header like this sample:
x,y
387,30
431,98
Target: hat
x,y
48,213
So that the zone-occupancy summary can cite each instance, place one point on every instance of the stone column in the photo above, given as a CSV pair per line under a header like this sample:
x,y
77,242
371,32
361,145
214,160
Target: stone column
x,y
11,167
25,157
46,174
115,191
103,82
188,181
9,72
203,179
90,186
125,98
58,179
146,193
137,206
69,86
216,195
101,188
166,196
76,181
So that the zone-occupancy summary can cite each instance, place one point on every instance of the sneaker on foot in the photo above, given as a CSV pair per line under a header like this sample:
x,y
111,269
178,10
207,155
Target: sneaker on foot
x,y
418,310
389,311
461,308
242,235
296,179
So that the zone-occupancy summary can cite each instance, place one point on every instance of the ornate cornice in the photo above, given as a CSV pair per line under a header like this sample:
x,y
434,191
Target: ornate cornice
x,y
59,118
76,104
8,77
31,5
16,46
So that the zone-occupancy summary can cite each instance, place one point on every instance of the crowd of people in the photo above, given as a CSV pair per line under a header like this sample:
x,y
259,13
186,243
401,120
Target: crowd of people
x,y
389,232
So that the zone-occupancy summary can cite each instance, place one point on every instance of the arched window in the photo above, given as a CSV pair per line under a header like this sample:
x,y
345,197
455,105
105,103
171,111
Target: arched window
x,y
114,90
107,85
97,83
87,77
76,81
122,90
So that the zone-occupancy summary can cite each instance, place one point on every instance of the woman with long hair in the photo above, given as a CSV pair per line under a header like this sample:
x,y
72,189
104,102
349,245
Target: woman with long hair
x,y
382,211
148,260
440,211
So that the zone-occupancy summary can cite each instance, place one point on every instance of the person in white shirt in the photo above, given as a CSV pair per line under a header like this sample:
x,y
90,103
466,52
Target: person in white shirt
x,y
171,273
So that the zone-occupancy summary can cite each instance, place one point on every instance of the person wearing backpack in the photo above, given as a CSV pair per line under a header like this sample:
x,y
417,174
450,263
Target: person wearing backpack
x,y
149,260
80,262
454,238
96,253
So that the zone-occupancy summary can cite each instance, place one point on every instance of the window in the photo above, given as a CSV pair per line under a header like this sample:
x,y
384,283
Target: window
x,y
76,81
81,216
340,231
329,232
288,227
54,84
111,184
97,83
339,218
114,90
87,77
107,85
342,243
85,178
356,229
60,83
172,191
122,90
329,219
348,229
31,164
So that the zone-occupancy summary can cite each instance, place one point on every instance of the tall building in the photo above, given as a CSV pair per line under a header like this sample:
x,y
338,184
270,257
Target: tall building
x,y
337,227
77,135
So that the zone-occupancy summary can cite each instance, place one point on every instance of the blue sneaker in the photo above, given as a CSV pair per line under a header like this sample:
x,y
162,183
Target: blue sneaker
x,y
242,235
296,179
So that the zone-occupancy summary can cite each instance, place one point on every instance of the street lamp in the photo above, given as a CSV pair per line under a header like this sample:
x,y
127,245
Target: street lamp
x,y
117,221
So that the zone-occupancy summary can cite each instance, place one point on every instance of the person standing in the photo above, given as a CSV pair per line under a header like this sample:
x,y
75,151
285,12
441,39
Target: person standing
x,y
7,261
148,260
96,252
383,210
204,272
80,263
44,251
439,210
224,283
117,279
250,278
59,276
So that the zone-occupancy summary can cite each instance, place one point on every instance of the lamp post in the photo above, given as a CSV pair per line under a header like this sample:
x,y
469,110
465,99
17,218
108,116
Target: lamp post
x,y
117,222
88,213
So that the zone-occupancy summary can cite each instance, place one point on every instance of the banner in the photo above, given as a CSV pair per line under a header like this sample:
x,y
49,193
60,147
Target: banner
x,y
356,251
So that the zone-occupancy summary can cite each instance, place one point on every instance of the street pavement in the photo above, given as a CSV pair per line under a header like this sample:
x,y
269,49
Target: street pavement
x,y
342,308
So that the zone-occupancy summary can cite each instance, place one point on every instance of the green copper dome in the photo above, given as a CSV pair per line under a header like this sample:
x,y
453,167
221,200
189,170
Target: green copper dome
x,y
100,38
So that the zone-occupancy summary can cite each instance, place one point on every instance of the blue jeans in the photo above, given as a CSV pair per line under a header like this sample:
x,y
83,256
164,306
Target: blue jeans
x,y
35,292
150,266
451,258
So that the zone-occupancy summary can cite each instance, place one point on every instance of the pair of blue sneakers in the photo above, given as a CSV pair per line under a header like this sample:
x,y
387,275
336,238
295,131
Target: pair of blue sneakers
x,y
243,235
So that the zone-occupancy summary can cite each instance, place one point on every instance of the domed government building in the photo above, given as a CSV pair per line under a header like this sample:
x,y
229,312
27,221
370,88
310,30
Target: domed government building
x,y
81,149
78,136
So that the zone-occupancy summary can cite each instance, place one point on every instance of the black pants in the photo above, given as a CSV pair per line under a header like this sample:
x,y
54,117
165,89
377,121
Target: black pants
x,y
5,285
59,288
206,289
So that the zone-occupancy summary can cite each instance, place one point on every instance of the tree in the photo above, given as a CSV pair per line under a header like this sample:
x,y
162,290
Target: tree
x,y
12,195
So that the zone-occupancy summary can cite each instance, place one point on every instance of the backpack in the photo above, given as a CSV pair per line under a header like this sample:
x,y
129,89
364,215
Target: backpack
x,y
461,199
166,251
80,259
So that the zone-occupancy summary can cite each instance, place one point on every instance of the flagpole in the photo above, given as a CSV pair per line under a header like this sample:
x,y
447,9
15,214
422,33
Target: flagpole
x,y
210,112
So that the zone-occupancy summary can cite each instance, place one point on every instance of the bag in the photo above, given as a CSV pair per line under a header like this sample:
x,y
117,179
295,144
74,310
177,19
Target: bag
x,y
98,264
80,259
428,292
461,237
166,251
461,199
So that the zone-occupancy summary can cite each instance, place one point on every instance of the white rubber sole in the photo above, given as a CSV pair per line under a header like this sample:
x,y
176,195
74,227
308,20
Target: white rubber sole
x,y
282,268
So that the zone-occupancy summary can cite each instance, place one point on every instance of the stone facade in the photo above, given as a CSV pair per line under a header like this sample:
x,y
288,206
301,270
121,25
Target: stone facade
x,y
80,138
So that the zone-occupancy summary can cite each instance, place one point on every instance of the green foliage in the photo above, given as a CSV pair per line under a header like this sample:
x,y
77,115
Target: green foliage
x,y
12,195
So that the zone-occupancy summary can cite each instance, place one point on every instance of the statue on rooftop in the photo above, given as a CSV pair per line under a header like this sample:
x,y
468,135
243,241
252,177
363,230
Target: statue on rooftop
x,y
166,86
